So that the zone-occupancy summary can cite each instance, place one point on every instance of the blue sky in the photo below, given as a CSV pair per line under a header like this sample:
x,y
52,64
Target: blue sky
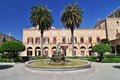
x,y
15,14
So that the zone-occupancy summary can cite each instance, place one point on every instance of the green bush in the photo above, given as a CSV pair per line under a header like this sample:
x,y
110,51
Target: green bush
x,y
5,60
83,57
39,57
117,56
111,60
106,60
110,56
16,59
92,58
72,57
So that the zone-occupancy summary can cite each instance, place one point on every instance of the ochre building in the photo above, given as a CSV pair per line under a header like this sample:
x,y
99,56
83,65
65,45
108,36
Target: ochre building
x,y
84,39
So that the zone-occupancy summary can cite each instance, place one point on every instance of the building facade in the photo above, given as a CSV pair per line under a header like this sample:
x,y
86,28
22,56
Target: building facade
x,y
84,39
4,37
111,24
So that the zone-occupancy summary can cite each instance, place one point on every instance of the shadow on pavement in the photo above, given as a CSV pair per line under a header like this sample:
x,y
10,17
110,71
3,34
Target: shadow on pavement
x,y
5,66
117,67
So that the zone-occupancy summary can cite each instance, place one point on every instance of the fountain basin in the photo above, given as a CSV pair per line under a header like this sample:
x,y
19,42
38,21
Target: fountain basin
x,y
58,67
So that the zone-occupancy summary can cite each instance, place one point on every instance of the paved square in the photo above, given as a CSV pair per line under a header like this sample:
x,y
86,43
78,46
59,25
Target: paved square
x,y
99,71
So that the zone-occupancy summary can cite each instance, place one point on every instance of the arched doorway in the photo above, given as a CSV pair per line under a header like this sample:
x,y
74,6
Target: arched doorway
x,y
29,51
90,51
46,51
74,53
82,51
37,51
64,48
53,50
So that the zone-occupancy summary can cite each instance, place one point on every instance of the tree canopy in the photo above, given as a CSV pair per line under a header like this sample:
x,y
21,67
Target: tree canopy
x,y
101,48
71,18
12,45
41,18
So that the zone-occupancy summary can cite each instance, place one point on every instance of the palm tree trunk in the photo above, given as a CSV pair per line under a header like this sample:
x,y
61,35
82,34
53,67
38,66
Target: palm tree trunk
x,y
72,36
42,43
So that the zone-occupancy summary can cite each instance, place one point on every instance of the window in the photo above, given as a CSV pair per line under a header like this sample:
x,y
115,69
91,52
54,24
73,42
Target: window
x,y
98,39
46,40
30,40
117,23
54,40
63,40
90,40
37,40
81,40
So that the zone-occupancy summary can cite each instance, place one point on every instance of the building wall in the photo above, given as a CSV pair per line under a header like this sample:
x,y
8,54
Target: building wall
x,y
113,27
4,37
84,40
107,28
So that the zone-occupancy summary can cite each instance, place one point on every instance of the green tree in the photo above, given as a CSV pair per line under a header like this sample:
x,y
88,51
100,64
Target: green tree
x,y
41,18
12,47
101,49
71,18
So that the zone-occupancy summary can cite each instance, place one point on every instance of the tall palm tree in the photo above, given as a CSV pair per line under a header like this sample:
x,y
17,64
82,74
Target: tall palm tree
x,y
71,18
42,19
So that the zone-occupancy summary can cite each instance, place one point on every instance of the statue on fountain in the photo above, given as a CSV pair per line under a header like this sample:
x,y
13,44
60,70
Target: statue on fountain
x,y
57,57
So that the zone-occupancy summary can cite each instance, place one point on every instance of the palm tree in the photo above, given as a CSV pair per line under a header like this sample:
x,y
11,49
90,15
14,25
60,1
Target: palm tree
x,y
42,19
71,18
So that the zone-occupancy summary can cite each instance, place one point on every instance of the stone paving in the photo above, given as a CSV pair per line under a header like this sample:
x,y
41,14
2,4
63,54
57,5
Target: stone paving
x,y
99,71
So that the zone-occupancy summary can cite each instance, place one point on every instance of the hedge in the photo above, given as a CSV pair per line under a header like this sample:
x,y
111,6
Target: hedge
x,y
39,57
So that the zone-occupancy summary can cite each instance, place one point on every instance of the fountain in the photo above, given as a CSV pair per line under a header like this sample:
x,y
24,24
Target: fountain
x,y
57,63
57,57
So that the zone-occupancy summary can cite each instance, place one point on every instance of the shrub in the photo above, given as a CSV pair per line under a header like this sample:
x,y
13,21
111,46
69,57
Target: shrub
x,y
24,58
117,56
106,60
72,57
111,60
5,60
92,58
83,57
39,57
110,56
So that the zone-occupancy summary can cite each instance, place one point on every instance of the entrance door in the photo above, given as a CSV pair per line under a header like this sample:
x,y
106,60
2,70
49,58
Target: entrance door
x,y
29,53
90,53
64,52
64,48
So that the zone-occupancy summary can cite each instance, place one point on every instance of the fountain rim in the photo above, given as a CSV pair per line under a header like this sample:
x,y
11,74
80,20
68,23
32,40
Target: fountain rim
x,y
58,68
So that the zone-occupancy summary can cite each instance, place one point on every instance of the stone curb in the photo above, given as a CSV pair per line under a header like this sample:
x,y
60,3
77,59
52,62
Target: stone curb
x,y
6,63
68,68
